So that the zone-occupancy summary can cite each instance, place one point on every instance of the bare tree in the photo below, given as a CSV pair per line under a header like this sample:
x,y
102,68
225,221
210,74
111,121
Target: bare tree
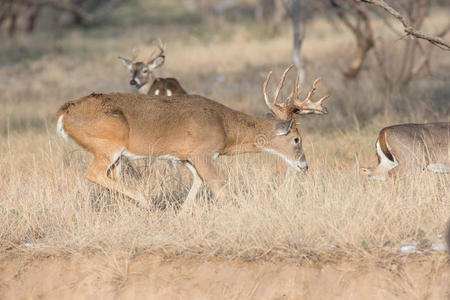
x,y
82,11
362,31
296,11
408,26
415,54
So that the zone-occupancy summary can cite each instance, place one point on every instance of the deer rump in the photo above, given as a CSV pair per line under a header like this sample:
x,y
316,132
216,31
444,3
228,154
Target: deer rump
x,y
424,145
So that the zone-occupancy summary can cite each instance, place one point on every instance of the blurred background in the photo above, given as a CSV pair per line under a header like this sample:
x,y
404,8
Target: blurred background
x,y
54,51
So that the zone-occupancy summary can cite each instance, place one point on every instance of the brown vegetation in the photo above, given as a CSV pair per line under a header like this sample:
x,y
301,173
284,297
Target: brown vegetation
x,y
48,209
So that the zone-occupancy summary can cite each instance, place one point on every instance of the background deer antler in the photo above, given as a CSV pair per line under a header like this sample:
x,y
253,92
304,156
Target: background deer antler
x,y
291,106
149,53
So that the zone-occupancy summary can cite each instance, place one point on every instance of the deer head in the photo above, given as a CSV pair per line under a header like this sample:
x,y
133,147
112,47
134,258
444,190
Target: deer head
x,y
286,140
143,63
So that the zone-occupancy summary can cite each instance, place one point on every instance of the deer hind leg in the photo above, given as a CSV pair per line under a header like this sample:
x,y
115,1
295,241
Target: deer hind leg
x,y
98,173
124,165
411,158
438,168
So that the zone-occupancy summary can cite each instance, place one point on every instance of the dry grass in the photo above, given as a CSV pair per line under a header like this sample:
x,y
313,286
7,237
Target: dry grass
x,y
272,211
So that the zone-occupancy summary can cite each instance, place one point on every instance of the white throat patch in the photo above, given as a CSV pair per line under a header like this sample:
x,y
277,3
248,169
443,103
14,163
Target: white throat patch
x,y
144,89
286,160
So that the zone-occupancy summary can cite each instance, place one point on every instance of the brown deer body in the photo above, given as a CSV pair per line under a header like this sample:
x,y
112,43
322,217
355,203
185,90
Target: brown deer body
x,y
412,147
187,128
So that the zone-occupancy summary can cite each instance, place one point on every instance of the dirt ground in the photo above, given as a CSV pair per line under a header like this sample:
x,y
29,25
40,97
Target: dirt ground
x,y
153,277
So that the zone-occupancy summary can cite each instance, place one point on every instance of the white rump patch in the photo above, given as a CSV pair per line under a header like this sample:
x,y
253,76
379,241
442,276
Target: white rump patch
x,y
384,161
157,92
169,92
438,168
60,128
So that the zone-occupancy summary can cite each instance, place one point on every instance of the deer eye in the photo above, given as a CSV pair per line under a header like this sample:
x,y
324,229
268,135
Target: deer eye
x,y
145,71
296,140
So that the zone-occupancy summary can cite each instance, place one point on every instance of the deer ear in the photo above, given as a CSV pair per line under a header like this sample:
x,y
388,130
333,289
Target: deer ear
x,y
156,63
283,127
126,62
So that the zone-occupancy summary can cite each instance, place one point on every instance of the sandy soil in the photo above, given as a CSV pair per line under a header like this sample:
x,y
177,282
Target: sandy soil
x,y
153,277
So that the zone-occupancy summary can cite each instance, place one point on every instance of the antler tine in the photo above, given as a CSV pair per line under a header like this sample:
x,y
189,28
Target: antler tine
x,y
280,85
296,86
313,90
134,54
307,106
160,46
323,99
266,96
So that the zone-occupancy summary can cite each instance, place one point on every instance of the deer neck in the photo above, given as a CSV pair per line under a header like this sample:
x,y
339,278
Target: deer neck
x,y
249,134
144,89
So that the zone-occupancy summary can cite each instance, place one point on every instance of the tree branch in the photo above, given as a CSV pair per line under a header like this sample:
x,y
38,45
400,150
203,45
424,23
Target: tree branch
x,y
437,41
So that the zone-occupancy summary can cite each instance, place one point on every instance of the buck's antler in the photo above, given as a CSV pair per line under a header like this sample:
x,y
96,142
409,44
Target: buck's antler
x,y
292,105
306,106
160,46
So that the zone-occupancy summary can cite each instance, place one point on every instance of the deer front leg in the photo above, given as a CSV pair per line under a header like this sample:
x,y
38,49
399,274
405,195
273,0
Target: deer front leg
x,y
207,172
196,184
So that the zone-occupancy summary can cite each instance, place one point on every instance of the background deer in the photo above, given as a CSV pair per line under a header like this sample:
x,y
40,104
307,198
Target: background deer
x,y
144,61
412,147
187,128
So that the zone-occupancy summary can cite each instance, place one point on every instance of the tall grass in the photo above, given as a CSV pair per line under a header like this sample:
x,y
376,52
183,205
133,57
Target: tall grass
x,y
47,206
272,210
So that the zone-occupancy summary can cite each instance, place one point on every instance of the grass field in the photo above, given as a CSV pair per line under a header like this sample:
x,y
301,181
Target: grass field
x,y
329,215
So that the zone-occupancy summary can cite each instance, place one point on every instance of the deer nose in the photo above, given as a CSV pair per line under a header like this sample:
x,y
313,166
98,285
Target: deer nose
x,y
133,82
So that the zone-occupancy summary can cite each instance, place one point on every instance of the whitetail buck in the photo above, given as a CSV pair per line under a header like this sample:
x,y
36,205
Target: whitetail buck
x,y
141,67
412,147
187,128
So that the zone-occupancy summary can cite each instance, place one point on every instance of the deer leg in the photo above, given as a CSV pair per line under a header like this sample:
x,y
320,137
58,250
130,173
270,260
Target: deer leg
x,y
438,168
196,184
411,159
208,173
98,173
127,167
